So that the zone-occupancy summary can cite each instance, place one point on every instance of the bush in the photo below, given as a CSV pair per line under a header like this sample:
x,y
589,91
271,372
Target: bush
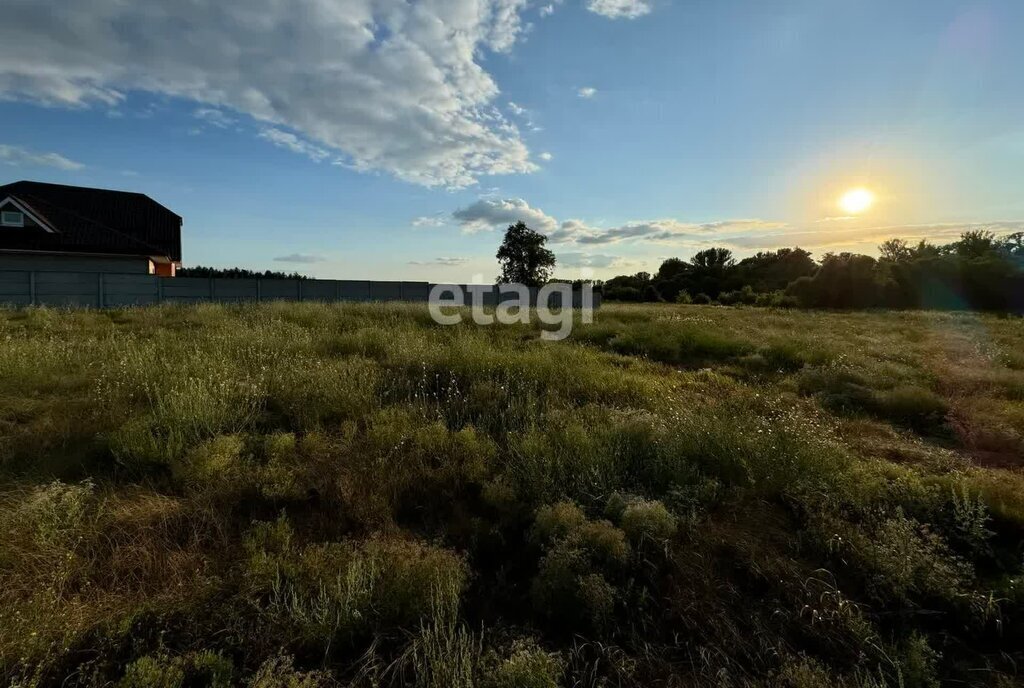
x,y
279,672
216,465
568,592
162,671
684,297
565,522
341,589
899,559
558,521
648,520
528,666
570,585
56,513
702,299
605,543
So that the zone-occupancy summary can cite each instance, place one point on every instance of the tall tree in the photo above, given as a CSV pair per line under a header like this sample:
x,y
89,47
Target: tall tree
x,y
713,259
523,257
976,243
895,251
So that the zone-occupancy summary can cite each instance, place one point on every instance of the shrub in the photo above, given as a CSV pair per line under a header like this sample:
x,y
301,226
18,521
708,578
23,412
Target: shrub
x,y
918,663
900,559
565,522
557,521
528,666
56,513
340,589
279,672
970,521
287,468
216,465
162,671
570,585
152,672
605,543
597,597
568,592
702,299
648,520
684,297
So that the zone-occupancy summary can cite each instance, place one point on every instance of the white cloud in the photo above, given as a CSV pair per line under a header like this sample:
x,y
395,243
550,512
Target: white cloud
x,y
619,9
867,238
588,260
306,258
17,156
524,115
488,214
546,10
545,156
493,213
439,220
289,141
214,117
441,261
663,230
392,85
587,92
742,234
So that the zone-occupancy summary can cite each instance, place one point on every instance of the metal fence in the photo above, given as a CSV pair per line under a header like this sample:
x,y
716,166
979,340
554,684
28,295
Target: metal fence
x,y
115,290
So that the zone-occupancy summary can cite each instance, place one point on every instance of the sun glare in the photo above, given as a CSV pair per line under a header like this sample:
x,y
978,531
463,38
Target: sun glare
x,y
856,201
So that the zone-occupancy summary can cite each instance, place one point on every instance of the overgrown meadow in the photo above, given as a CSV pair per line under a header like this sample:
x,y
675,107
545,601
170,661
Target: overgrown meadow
x,y
310,495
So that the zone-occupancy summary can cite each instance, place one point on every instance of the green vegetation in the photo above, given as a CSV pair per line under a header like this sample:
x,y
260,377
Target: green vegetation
x,y
307,495
523,257
237,273
978,272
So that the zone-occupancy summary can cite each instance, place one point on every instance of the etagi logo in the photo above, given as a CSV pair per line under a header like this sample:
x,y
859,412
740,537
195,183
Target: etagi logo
x,y
509,304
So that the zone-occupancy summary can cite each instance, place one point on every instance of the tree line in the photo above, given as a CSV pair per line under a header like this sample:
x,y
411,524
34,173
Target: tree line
x,y
980,271
237,273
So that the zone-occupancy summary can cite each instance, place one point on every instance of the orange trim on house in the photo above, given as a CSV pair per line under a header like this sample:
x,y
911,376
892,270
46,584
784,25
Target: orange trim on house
x,y
164,269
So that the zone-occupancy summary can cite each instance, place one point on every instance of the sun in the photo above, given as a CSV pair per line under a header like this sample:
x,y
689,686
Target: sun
x,y
856,201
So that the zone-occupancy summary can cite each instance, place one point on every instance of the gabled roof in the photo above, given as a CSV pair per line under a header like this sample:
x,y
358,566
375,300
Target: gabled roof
x,y
92,221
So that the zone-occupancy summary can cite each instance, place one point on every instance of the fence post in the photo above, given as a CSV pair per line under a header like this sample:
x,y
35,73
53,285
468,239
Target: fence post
x,y
32,287
99,286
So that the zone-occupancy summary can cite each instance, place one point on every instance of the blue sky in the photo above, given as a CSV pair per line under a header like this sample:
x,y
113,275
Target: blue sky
x,y
389,139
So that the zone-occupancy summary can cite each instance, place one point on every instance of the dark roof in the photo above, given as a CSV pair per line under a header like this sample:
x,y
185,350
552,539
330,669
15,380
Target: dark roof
x,y
93,221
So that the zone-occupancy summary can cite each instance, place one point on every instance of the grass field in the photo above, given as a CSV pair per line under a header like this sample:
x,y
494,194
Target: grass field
x,y
309,495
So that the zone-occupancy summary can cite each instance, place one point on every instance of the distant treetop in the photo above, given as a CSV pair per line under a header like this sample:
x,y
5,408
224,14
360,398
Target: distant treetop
x,y
237,273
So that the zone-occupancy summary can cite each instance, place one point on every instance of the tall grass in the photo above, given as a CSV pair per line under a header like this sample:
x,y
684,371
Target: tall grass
x,y
310,494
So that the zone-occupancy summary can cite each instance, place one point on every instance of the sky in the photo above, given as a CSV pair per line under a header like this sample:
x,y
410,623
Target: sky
x,y
396,139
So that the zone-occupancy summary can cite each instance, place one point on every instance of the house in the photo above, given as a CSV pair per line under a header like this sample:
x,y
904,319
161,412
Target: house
x,y
72,228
